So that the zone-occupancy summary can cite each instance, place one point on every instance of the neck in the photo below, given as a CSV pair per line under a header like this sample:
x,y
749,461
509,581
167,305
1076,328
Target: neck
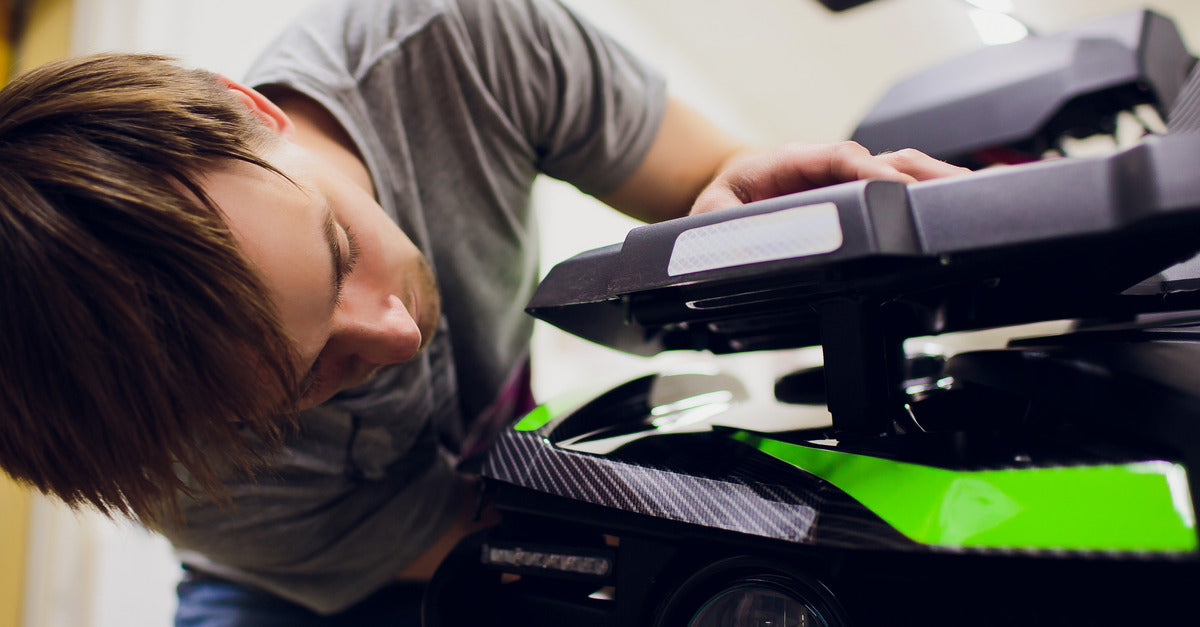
x,y
318,131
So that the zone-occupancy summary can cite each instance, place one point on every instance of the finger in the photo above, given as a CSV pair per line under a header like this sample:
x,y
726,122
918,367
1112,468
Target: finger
x,y
920,165
850,161
714,198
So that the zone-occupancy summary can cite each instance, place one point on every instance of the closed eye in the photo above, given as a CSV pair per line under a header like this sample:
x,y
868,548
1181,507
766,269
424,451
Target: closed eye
x,y
344,260
344,268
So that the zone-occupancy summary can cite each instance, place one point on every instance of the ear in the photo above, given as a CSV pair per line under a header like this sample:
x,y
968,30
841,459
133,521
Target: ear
x,y
271,115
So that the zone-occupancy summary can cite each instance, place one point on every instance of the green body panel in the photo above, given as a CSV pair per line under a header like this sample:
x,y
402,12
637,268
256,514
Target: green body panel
x,y
557,407
1142,506
535,419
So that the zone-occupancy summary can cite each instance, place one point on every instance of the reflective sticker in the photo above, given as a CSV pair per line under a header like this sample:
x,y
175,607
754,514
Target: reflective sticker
x,y
784,234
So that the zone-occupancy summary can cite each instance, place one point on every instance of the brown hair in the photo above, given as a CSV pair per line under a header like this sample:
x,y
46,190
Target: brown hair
x,y
139,353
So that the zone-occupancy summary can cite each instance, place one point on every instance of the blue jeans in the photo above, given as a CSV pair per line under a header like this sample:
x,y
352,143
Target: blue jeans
x,y
206,601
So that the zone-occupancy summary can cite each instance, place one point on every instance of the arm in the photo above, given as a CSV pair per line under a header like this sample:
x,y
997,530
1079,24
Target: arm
x,y
695,166
686,155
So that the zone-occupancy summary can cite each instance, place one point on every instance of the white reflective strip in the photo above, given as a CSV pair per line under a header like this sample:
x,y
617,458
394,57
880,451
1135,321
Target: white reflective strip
x,y
784,234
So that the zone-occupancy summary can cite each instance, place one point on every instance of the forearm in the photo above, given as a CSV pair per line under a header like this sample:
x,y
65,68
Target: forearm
x,y
469,519
686,156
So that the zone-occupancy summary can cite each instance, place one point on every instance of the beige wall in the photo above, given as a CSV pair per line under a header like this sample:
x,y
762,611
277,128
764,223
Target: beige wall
x,y
14,529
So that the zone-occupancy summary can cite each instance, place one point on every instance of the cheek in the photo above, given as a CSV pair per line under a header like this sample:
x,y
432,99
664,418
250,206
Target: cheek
x,y
329,370
386,254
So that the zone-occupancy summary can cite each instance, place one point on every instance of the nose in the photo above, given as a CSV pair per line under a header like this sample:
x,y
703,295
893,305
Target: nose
x,y
379,333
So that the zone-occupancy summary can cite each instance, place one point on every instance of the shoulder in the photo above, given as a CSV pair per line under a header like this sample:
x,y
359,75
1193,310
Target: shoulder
x,y
348,35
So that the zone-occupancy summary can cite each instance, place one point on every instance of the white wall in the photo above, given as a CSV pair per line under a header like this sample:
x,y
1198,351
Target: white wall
x,y
769,70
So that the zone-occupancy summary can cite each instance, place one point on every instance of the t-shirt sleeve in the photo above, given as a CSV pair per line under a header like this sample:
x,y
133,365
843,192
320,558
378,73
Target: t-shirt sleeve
x,y
587,106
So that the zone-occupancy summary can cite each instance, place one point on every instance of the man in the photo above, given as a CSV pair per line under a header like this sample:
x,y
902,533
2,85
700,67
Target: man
x,y
187,259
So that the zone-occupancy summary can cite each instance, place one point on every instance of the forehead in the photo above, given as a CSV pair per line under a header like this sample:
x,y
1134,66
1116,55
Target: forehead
x,y
280,226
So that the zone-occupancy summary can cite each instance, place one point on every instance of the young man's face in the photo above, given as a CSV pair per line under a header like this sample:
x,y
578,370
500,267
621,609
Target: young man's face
x,y
351,289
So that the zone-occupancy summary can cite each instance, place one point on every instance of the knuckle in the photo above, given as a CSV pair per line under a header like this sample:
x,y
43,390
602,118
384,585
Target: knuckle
x,y
849,147
906,156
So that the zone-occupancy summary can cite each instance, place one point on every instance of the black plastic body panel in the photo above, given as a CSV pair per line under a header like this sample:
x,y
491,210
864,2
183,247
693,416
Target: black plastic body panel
x,y
1006,246
1025,94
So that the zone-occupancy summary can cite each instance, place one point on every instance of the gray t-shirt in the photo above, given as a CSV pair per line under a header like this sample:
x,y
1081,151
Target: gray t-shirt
x,y
456,106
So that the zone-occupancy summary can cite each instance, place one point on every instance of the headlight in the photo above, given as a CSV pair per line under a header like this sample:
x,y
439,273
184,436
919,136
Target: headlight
x,y
753,604
750,592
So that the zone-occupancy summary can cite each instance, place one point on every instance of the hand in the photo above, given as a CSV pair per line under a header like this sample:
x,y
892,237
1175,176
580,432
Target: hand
x,y
753,176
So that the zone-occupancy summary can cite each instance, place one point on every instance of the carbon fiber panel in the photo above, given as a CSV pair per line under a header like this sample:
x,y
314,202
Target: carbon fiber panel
x,y
742,500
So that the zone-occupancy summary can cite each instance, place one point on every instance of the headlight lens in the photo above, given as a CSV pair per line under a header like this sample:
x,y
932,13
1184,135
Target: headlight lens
x,y
751,605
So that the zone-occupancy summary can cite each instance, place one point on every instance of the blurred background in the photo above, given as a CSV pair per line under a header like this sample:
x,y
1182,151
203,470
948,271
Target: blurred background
x,y
768,70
